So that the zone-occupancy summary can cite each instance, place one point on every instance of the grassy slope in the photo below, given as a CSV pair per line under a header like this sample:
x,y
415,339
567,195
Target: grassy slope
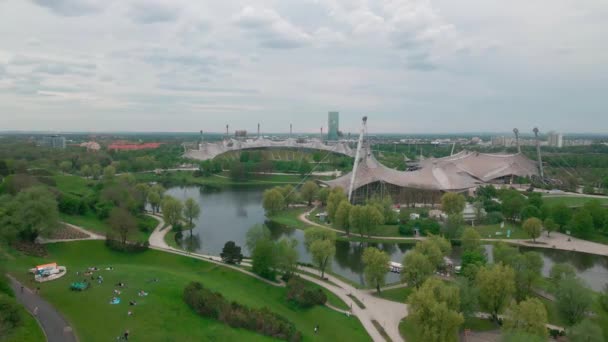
x,y
163,315
409,331
30,331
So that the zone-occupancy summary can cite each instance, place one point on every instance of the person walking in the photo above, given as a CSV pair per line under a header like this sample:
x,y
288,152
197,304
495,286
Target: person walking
x,y
21,288
36,311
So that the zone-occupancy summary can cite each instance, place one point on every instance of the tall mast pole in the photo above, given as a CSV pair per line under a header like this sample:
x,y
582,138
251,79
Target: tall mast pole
x,y
357,156
540,161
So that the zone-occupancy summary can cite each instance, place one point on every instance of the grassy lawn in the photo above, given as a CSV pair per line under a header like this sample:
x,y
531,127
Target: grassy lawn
x,y
91,222
571,201
222,179
290,219
479,324
73,185
162,315
30,331
489,231
397,295
381,230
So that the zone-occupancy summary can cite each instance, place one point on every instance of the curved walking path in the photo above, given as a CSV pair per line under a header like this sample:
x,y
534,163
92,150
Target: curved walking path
x,y
55,327
387,313
555,241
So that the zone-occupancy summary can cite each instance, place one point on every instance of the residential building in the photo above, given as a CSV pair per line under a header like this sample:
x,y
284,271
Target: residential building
x,y
555,139
53,141
333,124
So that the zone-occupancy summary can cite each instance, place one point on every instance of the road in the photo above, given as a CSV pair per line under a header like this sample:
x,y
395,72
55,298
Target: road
x,y
55,327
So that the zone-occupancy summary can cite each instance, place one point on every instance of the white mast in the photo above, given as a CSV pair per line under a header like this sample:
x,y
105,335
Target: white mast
x,y
357,156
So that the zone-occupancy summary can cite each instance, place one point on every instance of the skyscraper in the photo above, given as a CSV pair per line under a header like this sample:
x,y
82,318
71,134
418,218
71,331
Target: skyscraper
x,y
555,139
333,124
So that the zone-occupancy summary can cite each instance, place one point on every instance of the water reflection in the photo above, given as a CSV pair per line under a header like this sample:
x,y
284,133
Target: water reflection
x,y
227,214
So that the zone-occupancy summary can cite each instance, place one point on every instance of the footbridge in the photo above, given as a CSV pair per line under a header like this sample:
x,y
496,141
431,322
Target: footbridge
x,y
210,150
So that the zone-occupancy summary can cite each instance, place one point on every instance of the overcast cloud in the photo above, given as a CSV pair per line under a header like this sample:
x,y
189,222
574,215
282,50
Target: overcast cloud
x,y
412,66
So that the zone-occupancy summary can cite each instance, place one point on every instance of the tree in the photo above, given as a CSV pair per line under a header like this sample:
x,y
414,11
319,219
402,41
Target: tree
x,y
535,199
289,193
322,253
469,297
585,331
453,203
231,253
108,173
122,223
471,261
341,220
550,225
572,299
434,248
256,234
85,171
317,233
273,201
560,271
597,212
533,226
355,218
336,196
65,166
172,211
529,316
527,267
191,211
309,191
35,213
417,268
512,204
529,212
504,253
582,223
323,195
141,191
286,256
372,217
263,262
496,286
95,171
561,214
376,267
433,309
154,199
479,211
471,240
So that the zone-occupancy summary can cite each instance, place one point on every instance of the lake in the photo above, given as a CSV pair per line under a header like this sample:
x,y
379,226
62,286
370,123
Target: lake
x,y
227,214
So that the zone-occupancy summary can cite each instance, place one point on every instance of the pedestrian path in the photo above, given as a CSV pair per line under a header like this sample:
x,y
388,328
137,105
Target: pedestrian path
x,y
55,327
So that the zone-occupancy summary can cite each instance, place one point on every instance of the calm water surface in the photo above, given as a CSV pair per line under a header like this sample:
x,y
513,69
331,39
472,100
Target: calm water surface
x,y
227,214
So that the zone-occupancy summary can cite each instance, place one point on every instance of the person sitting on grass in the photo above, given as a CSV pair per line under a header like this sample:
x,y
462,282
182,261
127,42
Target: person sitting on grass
x,y
132,303
142,293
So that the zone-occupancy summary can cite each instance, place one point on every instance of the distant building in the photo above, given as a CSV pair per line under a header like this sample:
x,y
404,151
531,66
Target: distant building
x,y
91,146
333,124
555,139
53,141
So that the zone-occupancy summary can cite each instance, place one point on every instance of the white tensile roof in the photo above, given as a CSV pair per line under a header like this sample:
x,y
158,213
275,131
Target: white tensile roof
x,y
461,171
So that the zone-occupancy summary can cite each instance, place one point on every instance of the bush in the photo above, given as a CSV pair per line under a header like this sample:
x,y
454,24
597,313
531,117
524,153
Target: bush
x,y
406,230
103,209
604,298
10,316
303,296
129,247
494,217
71,205
213,305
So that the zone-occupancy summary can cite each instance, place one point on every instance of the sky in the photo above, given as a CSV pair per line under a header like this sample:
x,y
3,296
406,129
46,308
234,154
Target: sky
x,y
411,66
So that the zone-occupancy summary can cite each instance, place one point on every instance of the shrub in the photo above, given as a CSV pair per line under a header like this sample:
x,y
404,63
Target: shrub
x,y
72,205
303,296
213,305
406,230
494,217
10,316
129,247
103,209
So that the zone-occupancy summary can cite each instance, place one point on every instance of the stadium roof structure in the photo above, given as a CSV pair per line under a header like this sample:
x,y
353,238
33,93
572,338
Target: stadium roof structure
x,y
210,150
458,172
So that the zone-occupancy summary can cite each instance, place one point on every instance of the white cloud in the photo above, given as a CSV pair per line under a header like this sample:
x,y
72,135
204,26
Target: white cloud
x,y
270,29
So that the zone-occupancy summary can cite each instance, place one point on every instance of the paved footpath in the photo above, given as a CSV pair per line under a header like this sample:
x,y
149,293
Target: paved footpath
x,y
55,327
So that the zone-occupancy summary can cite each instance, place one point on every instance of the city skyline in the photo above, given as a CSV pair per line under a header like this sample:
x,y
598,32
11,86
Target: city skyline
x,y
412,66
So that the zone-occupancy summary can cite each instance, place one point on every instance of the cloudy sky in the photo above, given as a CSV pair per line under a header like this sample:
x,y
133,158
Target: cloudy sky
x,y
412,66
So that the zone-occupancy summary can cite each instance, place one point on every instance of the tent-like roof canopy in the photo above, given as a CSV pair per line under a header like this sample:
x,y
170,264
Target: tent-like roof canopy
x,y
461,171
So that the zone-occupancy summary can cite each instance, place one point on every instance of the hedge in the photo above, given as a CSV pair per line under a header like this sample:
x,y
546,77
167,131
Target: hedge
x,y
213,305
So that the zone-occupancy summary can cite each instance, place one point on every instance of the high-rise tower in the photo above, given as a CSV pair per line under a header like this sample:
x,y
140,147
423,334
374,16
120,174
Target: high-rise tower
x,y
333,125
